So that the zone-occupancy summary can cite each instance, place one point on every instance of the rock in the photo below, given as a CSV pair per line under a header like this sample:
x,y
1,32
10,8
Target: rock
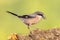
x,y
37,34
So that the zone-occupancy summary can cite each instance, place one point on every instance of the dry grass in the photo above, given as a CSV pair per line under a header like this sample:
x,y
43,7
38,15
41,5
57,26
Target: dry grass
x,y
51,34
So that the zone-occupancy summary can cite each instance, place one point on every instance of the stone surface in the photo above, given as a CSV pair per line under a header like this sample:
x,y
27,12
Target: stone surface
x,y
37,34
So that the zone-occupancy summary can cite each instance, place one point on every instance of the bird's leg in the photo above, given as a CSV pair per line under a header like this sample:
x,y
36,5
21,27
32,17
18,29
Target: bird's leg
x,y
29,28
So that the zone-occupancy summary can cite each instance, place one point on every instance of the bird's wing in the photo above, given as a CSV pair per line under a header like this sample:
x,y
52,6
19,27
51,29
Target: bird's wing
x,y
27,16
31,16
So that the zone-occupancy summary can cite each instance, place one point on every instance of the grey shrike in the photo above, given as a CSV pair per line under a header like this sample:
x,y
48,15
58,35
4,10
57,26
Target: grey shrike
x,y
30,19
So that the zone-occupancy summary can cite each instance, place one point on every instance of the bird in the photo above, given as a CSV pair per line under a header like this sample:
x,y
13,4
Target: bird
x,y
30,19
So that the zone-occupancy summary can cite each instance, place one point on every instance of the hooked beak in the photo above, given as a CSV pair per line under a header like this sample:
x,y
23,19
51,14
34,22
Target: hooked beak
x,y
43,17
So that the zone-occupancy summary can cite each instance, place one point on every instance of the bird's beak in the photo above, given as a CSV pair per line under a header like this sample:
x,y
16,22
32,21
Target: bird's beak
x,y
43,17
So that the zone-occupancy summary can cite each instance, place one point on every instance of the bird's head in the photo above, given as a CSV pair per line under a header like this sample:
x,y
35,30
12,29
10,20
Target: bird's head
x,y
40,14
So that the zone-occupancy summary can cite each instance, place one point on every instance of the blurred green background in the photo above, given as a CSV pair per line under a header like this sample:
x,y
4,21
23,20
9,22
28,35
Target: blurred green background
x,y
11,24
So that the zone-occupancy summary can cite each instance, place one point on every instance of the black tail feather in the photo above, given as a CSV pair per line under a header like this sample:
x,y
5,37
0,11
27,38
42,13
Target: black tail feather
x,y
12,13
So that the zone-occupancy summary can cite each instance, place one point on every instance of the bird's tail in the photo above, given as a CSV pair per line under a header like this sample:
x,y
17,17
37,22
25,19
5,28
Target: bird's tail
x,y
12,13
